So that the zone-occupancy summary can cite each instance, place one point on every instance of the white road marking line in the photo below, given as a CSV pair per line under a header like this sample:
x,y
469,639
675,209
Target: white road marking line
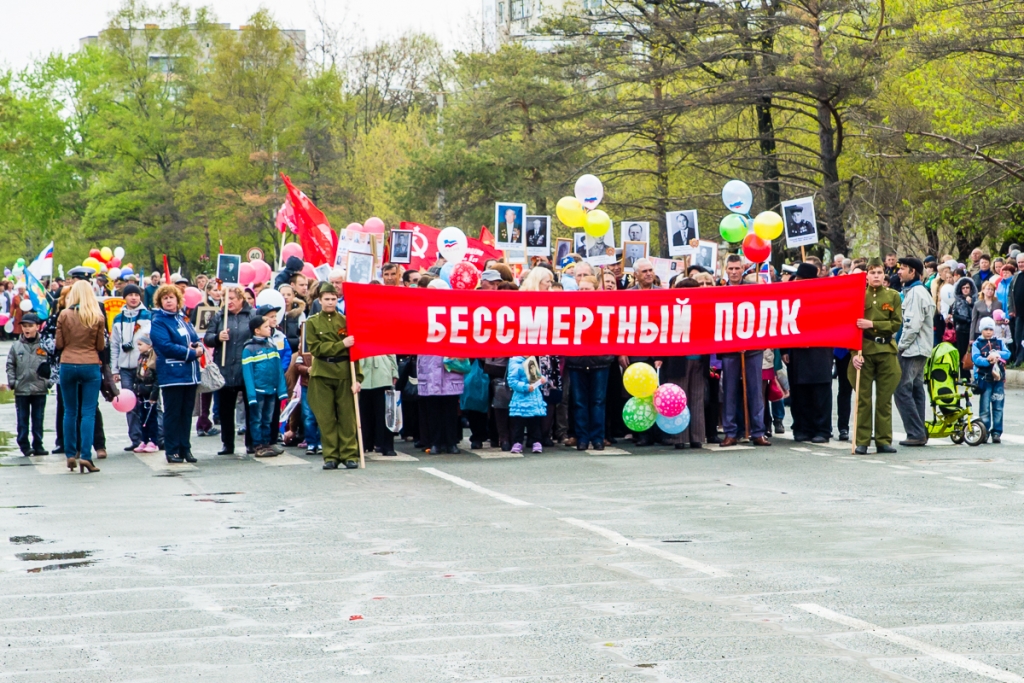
x,y
927,472
800,450
900,467
826,455
912,643
473,487
283,460
718,449
401,457
876,462
607,451
958,479
992,486
496,453
619,539
158,462
1020,492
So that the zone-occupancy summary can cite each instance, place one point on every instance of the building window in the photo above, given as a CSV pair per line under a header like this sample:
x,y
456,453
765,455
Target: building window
x,y
517,9
593,5
501,11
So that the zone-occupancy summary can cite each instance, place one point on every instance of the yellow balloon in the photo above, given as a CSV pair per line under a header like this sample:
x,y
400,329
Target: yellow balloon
x,y
597,224
640,380
570,212
768,225
92,264
106,253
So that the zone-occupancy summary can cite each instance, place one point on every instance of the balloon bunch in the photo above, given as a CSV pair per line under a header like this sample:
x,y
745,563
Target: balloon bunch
x,y
736,227
254,271
663,405
108,262
581,210
457,272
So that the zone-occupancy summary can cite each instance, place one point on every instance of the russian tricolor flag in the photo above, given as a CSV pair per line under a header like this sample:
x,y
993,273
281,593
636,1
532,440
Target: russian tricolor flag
x,y
42,267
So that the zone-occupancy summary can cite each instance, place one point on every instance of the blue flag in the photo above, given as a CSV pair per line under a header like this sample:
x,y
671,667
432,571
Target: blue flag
x,y
37,294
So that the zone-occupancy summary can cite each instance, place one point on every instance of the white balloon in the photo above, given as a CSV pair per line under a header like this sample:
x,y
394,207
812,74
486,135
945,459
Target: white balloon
x,y
9,327
114,273
737,197
451,242
589,191
271,297
119,252
25,305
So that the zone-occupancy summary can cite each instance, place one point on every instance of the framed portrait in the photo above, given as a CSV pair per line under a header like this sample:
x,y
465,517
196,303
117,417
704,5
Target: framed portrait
x,y
204,314
579,243
631,251
635,231
323,272
563,247
360,268
682,227
538,235
706,256
227,268
801,226
600,251
509,226
401,246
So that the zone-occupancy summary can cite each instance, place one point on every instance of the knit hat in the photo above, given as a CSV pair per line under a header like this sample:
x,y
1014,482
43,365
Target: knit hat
x,y
143,338
997,315
986,323
131,289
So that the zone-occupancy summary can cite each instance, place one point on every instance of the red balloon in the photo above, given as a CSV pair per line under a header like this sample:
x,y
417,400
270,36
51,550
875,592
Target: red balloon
x,y
114,263
95,253
756,249
245,274
291,249
308,271
465,276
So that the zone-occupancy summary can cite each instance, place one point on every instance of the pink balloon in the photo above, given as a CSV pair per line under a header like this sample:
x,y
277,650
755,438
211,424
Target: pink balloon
x,y
291,249
245,274
193,297
374,225
308,271
262,271
465,276
114,263
3,319
669,400
355,227
125,401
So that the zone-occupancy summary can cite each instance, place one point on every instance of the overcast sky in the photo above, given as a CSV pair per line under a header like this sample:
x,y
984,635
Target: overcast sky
x,y
34,28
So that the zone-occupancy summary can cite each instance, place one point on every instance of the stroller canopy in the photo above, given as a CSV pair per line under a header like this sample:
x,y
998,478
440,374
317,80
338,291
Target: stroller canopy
x,y
942,371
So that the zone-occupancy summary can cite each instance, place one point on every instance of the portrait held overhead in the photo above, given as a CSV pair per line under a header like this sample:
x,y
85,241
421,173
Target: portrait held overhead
x,y
528,341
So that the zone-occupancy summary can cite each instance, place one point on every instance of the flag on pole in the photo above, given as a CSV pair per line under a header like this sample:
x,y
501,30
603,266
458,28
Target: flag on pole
x,y
167,271
486,237
37,293
42,267
319,242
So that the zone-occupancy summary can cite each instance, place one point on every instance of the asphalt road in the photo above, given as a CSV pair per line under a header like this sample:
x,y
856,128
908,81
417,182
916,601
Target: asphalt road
x,y
786,564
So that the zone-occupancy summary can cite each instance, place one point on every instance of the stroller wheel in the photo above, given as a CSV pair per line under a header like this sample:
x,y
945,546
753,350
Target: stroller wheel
x,y
975,433
957,437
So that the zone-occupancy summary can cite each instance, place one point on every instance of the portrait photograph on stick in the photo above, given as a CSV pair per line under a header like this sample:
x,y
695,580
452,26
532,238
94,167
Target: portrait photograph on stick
x,y
360,268
682,227
801,226
227,268
509,226
538,235
631,251
635,231
401,246
563,247
706,256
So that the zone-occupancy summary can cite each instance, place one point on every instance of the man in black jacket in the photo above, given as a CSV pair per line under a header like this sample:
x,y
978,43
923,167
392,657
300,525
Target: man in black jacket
x,y
1017,310
227,344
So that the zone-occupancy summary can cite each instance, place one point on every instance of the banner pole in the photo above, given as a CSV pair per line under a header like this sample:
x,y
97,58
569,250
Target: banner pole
x,y
359,422
224,344
856,401
280,254
803,254
746,407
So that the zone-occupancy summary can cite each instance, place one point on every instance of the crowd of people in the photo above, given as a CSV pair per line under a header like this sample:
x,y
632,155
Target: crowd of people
x,y
264,354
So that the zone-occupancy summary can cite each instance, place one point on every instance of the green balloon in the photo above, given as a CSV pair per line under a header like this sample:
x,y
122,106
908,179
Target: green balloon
x,y
734,228
639,414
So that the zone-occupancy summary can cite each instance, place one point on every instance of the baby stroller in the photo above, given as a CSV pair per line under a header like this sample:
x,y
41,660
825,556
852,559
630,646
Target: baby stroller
x,y
951,405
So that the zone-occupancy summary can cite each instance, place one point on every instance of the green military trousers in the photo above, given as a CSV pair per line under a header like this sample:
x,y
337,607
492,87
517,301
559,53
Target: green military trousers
x,y
334,406
882,370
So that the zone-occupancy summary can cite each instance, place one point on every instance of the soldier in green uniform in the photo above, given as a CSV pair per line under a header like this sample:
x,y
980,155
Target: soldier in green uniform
x,y
883,317
331,387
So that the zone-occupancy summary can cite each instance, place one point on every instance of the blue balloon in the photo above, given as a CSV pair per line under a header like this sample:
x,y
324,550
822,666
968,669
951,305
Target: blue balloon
x,y
674,425
446,272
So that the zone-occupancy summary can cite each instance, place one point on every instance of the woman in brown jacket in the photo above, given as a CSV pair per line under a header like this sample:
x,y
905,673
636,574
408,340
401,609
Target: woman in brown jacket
x,y
80,340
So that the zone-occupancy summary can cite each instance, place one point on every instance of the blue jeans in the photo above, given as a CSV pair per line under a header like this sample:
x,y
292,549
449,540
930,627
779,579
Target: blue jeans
x,y
261,418
311,428
589,391
79,417
992,396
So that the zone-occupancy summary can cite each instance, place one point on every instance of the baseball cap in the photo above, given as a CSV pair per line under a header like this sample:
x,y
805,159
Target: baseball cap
x,y
266,309
176,278
491,275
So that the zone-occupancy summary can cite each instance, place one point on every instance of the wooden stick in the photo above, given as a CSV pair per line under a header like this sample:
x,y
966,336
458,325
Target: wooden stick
x,y
856,402
803,254
280,254
359,422
746,408
224,344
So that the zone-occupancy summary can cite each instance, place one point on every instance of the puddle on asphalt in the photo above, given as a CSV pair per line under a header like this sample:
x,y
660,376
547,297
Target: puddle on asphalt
x,y
25,540
20,507
55,567
17,464
45,557
5,438
385,552
220,493
677,541
168,474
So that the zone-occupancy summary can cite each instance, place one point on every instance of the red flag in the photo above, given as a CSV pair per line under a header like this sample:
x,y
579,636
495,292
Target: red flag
x,y
486,237
424,248
221,246
319,242
167,271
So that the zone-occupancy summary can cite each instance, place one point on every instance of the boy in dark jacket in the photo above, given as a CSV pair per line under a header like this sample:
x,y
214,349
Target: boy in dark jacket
x,y
264,385
23,363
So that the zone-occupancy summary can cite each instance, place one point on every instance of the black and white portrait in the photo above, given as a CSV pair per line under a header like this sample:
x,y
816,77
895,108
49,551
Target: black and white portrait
x,y
401,246
579,241
600,251
635,231
227,268
631,251
682,227
538,235
563,247
706,256
203,315
360,268
510,225
801,227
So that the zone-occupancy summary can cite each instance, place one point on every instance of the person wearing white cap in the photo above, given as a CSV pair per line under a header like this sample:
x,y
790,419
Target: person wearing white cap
x,y
990,355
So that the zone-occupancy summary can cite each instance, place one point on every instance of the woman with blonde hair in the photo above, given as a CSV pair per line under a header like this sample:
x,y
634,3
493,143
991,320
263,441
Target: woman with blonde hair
x,y
540,279
80,340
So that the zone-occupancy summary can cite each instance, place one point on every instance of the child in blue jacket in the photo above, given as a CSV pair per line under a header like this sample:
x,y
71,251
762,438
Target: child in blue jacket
x,y
527,409
990,355
264,385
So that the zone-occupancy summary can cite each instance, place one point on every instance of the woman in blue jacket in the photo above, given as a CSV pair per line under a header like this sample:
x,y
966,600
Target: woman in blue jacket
x,y
177,349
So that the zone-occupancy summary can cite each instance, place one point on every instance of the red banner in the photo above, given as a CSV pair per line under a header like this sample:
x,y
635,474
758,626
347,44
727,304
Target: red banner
x,y
319,242
424,248
673,322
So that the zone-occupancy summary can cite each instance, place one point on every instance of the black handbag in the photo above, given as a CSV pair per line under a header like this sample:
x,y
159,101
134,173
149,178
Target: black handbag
x,y
496,367
108,387
502,394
